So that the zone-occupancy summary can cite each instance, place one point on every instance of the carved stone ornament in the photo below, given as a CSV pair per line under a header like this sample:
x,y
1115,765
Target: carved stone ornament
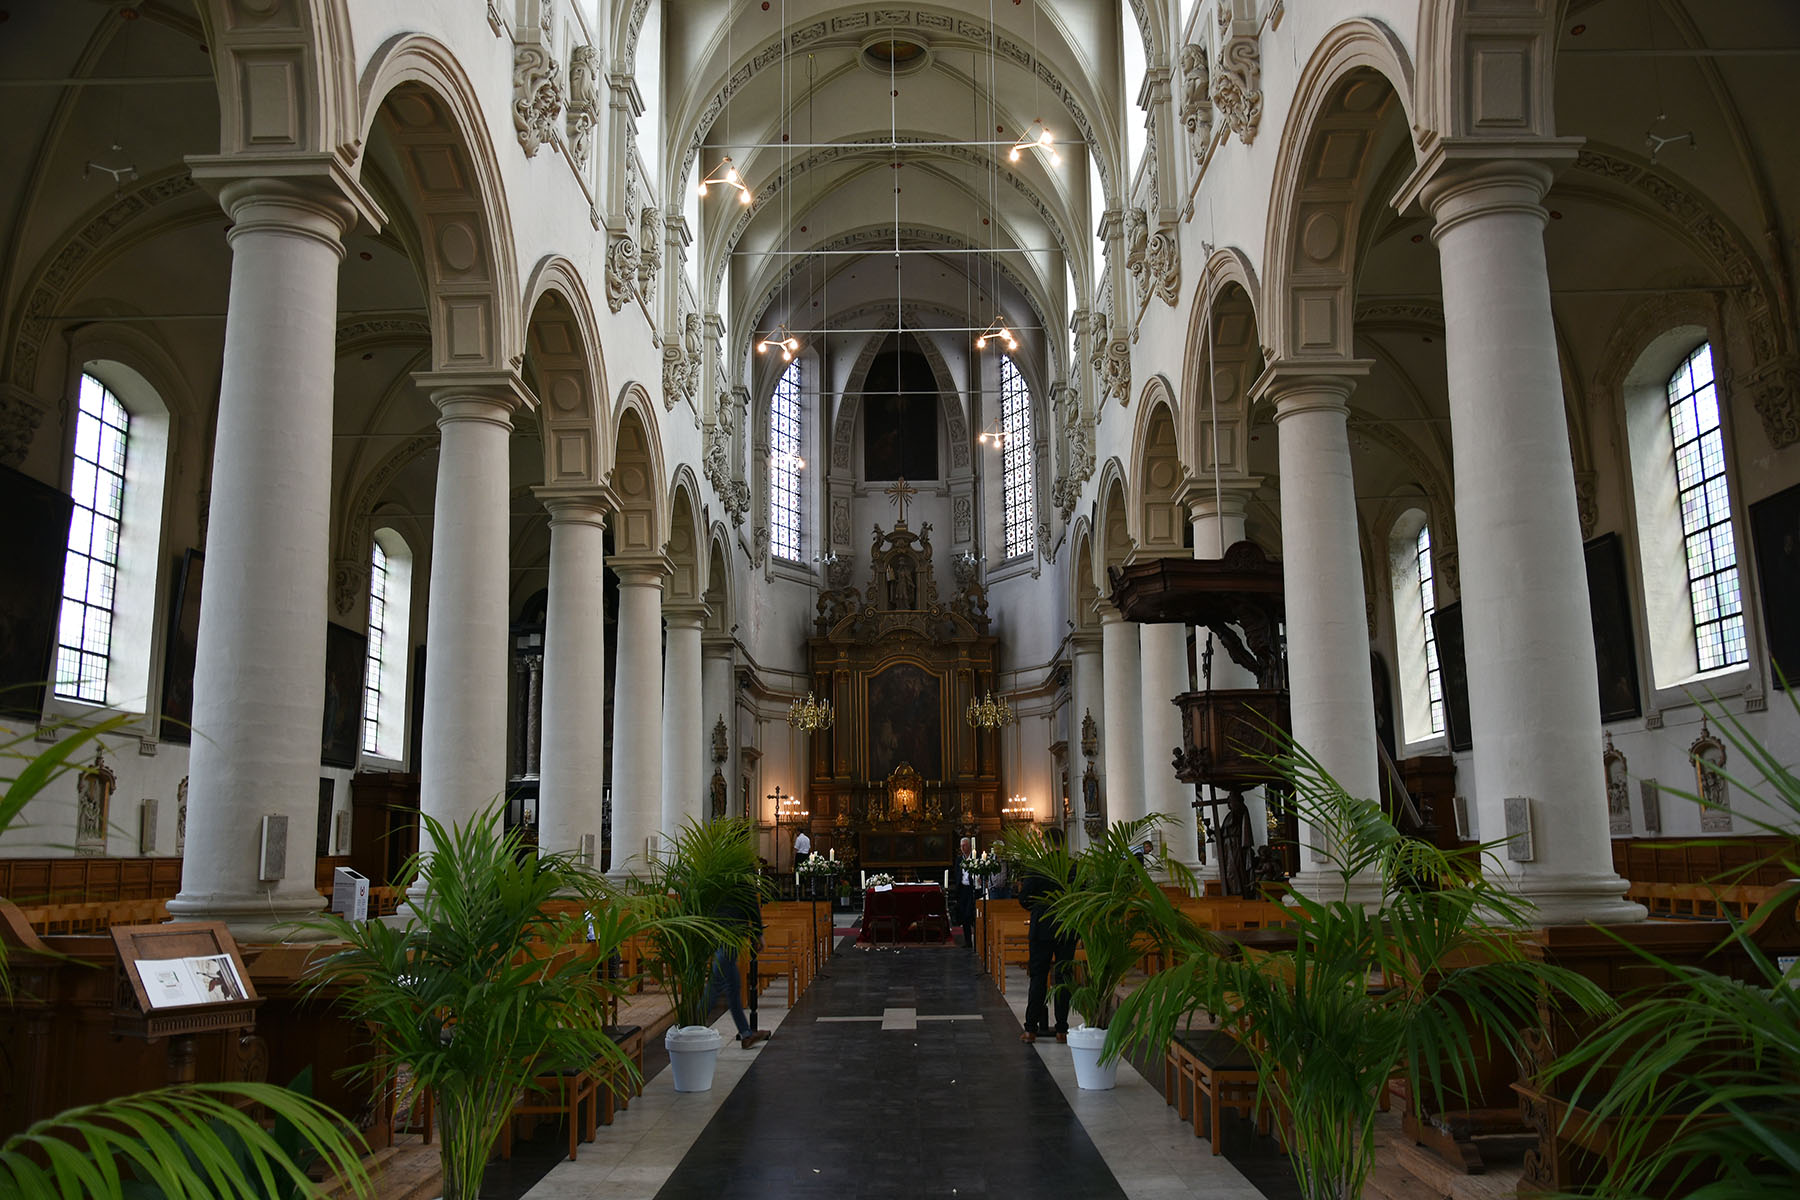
x,y
1196,100
1115,375
1046,542
721,741
674,374
537,97
1237,86
181,816
1587,502
1137,242
650,252
693,350
759,553
19,418
1163,261
716,456
621,272
735,496
584,102
1775,391
349,579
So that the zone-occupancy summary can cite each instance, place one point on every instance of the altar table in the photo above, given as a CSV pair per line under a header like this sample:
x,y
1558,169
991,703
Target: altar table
x,y
906,903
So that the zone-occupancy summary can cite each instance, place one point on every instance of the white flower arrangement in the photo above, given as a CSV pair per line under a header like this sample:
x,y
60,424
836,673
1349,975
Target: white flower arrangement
x,y
881,880
985,864
818,864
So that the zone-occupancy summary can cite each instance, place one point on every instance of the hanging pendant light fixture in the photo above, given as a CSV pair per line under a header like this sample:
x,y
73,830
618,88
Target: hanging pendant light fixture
x,y
989,712
811,715
781,340
997,332
726,173
1037,136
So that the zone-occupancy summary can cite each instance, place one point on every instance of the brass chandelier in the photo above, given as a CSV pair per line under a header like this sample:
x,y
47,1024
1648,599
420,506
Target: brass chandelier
x,y
989,713
810,715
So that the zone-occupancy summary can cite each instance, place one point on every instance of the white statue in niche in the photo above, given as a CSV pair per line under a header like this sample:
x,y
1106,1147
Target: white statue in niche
x,y
1618,790
1708,756
95,790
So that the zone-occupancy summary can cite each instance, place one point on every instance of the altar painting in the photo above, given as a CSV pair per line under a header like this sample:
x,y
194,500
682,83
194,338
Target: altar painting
x,y
905,722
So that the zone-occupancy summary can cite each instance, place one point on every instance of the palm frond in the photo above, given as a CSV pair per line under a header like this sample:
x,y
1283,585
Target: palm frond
x,y
187,1142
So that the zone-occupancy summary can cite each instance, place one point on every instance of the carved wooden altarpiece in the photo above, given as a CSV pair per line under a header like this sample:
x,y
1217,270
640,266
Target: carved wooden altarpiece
x,y
900,663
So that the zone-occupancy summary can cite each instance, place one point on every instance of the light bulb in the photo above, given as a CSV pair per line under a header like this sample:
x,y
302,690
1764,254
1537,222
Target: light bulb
x,y
762,347
701,189
1056,158
1044,138
744,196
981,343
1013,155
786,356
793,343
731,175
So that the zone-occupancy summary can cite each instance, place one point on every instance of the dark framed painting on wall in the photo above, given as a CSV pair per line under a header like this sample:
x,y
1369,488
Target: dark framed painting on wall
x,y
1447,629
1615,648
178,650
346,653
1775,530
905,724
37,523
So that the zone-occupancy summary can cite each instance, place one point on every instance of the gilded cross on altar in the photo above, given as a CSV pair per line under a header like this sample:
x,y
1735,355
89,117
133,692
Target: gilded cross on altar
x,y
899,494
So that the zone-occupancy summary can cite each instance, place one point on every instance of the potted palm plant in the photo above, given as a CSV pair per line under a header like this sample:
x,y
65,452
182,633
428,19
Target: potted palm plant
x,y
1119,914
194,1140
1362,995
1695,1082
707,890
492,983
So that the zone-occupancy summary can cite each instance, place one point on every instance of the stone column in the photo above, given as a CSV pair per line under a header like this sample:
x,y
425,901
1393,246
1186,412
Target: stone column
x,y
462,759
717,695
1121,734
683,738
1533,700
1327,628
637,713
1163,650
572,772
259,667
1089,697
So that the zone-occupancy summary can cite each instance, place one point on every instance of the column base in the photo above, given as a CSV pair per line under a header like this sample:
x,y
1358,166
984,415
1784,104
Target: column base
x,y
1327,886
253,916
1576,900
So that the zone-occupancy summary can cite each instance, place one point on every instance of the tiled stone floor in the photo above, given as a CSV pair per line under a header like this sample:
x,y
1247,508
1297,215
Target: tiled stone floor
x,y
900,1074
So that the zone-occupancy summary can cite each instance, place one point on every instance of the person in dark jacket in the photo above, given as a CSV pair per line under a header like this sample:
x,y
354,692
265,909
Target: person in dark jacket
x,y
744,916
1050,949
965,885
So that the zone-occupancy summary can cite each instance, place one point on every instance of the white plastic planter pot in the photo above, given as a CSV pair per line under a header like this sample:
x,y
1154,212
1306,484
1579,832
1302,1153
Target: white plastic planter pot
x,y
1091,1074
693,1055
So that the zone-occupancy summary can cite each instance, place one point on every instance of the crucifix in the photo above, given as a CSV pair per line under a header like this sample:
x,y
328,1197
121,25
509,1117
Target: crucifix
x,y
899,494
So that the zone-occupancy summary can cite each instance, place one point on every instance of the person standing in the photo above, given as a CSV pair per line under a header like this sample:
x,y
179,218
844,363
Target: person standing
x,y
1050,949
744,917
966,885
802,848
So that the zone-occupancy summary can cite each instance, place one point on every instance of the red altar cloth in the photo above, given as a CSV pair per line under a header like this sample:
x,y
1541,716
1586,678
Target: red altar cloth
x,y
906,903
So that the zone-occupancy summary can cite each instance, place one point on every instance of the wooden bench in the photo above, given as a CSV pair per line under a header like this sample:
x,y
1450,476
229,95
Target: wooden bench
x,y
1213,1065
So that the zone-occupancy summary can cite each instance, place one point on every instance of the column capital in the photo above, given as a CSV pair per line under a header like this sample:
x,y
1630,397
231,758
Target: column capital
x,y
586,505
482,395
684,615
255,189
1297,385
1085,641
1199,497
1109,613
1461,178
717,645
641,570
